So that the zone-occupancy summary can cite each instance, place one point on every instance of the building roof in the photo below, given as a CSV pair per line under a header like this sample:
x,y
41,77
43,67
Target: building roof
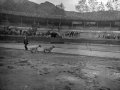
x,y
97,16
94,16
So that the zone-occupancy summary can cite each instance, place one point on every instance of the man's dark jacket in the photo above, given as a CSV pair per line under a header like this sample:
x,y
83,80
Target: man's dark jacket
x,y
26,41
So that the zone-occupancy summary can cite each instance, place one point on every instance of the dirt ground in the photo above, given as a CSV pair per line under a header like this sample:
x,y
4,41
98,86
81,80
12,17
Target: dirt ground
x,y
23,70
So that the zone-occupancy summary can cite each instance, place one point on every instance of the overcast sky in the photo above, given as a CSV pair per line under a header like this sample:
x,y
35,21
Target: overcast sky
x,y
69,4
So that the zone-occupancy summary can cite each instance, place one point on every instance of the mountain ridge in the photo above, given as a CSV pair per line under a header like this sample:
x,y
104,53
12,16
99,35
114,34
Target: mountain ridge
x,y
48,8
30,7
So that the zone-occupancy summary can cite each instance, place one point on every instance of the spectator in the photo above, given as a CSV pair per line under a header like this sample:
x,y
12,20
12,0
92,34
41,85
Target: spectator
x,y
20,31
26,42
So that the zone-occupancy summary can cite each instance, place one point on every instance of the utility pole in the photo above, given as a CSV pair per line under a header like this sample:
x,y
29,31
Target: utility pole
x,y
21,21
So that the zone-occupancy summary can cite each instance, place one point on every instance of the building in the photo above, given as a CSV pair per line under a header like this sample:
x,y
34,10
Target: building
x,y
98,21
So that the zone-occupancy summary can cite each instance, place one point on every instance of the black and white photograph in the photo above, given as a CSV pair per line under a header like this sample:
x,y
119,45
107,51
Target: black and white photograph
x,y
59,44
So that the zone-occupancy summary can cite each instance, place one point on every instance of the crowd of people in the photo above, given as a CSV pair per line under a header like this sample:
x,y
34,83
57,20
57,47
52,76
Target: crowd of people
x,y
78,34
11,31
7,30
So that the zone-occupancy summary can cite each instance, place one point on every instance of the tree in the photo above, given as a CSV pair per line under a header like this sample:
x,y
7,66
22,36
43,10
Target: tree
x,y
82,6
58,10
61,6
92,5
117,5
101,7
87,5
109,5
113,5
34,27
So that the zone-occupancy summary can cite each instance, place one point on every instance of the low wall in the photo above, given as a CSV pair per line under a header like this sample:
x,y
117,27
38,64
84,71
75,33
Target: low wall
x,y
20,39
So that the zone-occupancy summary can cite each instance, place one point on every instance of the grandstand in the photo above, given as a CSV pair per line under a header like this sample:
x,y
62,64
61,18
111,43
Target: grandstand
x,y
67,23
63,23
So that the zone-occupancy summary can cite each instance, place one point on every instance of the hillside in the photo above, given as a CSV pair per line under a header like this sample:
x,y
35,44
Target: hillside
x,y
30,7
48,8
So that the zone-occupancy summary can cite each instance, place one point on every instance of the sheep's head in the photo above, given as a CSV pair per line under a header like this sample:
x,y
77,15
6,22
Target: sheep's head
x,y
39,46
53,46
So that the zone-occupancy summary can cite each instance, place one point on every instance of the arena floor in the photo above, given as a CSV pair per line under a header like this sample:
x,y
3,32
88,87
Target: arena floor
x,y
107,51
68,67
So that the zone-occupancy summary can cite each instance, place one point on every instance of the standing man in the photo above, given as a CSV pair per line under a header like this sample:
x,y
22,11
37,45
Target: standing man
x,y
26,42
